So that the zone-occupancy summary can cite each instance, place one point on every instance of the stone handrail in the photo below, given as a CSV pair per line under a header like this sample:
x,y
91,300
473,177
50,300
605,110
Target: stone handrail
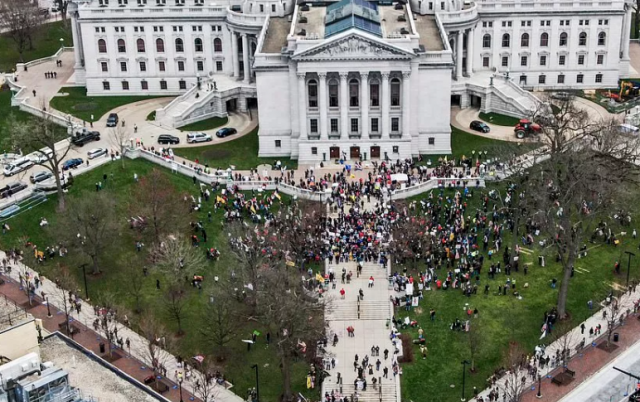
x,y
135,12
245,19
460,16
55,56
435,183
263,34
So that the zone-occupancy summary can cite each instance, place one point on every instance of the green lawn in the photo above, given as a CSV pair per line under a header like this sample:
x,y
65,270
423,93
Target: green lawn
x,y
46,42
151,116
120,184
241,152
501,318
204,125
78,104
499,119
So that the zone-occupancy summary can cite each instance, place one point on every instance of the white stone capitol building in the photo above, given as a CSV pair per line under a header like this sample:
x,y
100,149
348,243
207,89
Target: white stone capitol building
x,y
355,78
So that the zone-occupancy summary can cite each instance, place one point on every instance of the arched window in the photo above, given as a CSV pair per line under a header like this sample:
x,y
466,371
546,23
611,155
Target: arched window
x,y
374,93
312,89
524,40
506,40
395,92
140,45
217,45
102,46
122,47
198,44
582,39
564,39
602,38
159,45
333,93
486,40
179,45
354,89
544,39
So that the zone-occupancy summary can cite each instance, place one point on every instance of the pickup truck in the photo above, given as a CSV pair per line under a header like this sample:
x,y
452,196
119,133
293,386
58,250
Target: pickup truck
x,y
12,188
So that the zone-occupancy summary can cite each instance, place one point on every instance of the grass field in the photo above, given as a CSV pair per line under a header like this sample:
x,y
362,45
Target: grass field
x,y
78,104
241,153
501,318
46,41
121,253
499,119
208,124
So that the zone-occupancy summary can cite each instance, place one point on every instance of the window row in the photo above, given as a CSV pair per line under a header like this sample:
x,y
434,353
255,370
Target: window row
x,y
354,92
542,79
179,45
354,125
122,3
162,66
544,39
543,60
144,85
543,23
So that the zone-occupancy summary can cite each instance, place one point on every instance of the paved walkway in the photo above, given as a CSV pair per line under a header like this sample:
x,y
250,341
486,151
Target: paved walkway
x,y
136,366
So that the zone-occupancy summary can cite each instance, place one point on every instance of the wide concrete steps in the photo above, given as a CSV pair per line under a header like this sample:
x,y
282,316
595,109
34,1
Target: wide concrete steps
x,y
386,393
342,310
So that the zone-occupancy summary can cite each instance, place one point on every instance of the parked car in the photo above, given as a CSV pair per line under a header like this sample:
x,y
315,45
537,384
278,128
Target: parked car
x,y
112,120
84,137
223,132
12,188
72,163
198,137
96,152
40,156
561,95
40,176
479,126
168,139
17,166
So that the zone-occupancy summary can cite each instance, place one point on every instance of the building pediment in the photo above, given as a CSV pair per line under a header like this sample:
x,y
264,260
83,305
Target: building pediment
x,y
353,47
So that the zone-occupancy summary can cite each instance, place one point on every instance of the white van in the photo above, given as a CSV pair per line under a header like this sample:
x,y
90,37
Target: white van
x,y
628,129
40,156
17,166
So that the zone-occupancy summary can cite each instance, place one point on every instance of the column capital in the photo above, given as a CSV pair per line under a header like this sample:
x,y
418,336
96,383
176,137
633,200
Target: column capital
x,y
364,74
385,75
406,74
301,76
322,74
343,75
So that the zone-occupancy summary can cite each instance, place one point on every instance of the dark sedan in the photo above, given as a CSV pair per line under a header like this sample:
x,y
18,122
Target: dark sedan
x,y
72,163
479,126
223,132
168,139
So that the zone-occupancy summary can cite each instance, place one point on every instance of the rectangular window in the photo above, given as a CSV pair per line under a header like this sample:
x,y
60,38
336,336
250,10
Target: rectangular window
x,y
485,62
200,65
262,8
374,125
273,8
375,94
354,125
106,86
542,79
123,66
432,141
598,78
105,66
430,5
218,66
395,124
543,60
562,60
179,2
581,59
580,78
161,66
505,61
334,125
181,66
163,84
125,85
523,61
144,85
182,84
442,5
313,125
142,2
278,143
314,150
143,66
561,79
600,59
395,149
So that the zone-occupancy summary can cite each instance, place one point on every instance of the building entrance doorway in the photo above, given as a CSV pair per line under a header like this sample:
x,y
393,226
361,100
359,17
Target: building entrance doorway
x,y
334,152
355,152
375,152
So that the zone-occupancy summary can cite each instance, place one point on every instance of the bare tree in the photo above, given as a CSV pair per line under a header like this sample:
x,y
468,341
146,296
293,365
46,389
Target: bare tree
x,y
204,387
514,383
614,313
21,19
175,301
66,284
220,323
118,137
108,322
175,254
474,338
89,225
133,283
566,339
50,143
158,340
62,5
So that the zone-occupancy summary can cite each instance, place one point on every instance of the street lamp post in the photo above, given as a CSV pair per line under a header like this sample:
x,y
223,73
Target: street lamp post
x,y
84,275
61,43
539,394
464,372
629,267
180,384
48,308
255,366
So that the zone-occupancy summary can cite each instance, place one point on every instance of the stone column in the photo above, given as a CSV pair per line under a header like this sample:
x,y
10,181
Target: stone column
x,y
344,106
406,103
385,104
245,58
322,95
302,105
459,55
76,41
626,33
234,55
470,52
364,103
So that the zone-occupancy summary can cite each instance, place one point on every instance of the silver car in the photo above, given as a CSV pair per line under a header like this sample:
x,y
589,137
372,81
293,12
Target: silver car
x,y
198,137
